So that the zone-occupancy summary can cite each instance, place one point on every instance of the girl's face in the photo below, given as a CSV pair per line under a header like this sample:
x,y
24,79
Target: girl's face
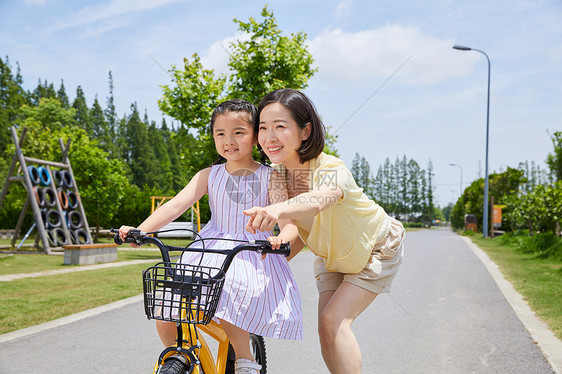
x,y
280,136
234,136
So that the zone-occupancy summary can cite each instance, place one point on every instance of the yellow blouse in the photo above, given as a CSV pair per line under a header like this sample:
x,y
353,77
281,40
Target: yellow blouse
x,y
345,233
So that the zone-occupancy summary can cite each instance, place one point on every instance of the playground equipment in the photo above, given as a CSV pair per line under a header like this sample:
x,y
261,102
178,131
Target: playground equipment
x,y
174,226
53,196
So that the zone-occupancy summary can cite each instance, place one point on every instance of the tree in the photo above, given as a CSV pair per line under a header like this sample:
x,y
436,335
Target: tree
x,y
268,60
554,159
82,112
447,211
100,127
502,186
43,90
194,95
12,97
62,96
101,181
140,156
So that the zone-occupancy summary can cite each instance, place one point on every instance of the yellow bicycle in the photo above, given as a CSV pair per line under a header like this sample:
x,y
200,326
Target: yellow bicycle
x,y
188,294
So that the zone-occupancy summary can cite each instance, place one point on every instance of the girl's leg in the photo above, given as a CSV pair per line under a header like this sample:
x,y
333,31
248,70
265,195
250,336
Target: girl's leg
x,y
336,312
167,332
240,340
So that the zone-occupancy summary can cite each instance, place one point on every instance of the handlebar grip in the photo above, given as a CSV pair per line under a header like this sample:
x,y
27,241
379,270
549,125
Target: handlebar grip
x,y
284,250
134,236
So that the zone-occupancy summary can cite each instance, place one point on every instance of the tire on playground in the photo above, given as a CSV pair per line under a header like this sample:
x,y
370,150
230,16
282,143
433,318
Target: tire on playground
x,y
50,197
54,219
75,219
51,238
60,237
72,200
80,236
67,179
57,177
33,175
63,198
39,196
44,176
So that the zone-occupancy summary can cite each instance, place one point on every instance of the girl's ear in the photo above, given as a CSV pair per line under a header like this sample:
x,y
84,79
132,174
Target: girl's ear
x,y
306,131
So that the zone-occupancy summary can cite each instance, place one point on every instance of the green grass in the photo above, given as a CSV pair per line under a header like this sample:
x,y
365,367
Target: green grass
x,y
32,301
539,280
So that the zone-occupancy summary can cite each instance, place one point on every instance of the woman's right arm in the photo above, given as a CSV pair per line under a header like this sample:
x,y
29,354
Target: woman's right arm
x,y
174,208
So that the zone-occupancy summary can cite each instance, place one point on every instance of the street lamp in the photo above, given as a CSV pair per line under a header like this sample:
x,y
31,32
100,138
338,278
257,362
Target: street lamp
x,y
485,218
461,176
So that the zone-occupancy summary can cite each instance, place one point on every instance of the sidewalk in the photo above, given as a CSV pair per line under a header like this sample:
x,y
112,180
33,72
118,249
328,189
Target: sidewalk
x,y
550,345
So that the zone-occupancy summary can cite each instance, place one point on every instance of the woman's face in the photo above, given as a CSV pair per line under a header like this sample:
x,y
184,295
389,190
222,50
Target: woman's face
x,y
279,135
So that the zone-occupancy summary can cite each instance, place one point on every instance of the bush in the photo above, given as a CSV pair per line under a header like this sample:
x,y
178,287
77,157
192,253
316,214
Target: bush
x,y
544,245
413,224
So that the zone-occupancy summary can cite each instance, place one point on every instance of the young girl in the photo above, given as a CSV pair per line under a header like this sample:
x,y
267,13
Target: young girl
x,y
260,295
359,247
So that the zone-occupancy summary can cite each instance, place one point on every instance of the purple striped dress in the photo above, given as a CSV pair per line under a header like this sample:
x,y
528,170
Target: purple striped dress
x,y
259,296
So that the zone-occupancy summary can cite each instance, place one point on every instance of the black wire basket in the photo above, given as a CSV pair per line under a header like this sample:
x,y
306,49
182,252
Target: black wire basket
x,y
182,292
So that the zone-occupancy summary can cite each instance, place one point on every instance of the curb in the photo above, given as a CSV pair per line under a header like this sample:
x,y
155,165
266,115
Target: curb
x,y
548,343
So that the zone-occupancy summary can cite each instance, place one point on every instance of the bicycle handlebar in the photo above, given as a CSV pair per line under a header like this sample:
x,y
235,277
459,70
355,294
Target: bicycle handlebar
x,y
260,246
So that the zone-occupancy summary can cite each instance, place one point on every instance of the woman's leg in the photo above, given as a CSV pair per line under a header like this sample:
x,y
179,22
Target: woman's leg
x,y
167,332
336,312
240,340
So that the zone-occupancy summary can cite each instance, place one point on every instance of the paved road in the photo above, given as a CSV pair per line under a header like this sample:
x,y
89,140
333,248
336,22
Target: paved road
x,y
446,315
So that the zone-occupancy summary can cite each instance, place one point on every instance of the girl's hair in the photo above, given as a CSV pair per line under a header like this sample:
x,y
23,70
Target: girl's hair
x,y
233,106
302,111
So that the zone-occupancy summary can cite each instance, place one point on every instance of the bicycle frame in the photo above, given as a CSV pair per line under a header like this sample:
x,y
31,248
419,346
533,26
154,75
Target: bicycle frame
x,y
204,354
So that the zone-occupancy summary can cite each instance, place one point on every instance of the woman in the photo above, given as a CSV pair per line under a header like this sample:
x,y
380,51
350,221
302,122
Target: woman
x,y
359,247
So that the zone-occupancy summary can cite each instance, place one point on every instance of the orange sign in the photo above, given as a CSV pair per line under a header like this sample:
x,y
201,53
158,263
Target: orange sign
x,y
497,215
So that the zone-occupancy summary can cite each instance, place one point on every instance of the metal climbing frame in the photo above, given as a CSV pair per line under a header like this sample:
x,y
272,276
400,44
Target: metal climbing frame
x,y
31,199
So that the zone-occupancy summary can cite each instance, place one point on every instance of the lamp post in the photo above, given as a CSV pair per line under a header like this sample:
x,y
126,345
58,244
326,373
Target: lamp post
x,y
486,208
461,176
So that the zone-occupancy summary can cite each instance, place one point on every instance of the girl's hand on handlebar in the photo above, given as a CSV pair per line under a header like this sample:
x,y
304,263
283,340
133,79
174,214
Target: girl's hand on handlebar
x,y
123,231
276,241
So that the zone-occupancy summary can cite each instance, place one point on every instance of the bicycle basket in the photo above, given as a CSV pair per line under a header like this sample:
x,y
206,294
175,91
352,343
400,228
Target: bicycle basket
x,y
182,292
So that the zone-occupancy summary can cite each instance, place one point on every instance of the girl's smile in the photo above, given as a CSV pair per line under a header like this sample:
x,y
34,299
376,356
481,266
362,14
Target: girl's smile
x,y
234,138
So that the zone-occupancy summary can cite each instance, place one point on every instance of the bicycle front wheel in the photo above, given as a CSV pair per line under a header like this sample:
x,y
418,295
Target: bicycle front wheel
x,y
173,366
257,346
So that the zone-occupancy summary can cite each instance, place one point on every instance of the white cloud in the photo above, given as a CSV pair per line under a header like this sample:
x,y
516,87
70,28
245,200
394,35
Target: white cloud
x,y
112,9
377,53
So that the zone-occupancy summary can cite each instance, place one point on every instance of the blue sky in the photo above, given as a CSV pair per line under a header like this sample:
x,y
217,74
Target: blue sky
x,y
433,108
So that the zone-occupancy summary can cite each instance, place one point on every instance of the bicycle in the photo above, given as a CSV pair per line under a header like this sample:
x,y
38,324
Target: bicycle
x,y
188,294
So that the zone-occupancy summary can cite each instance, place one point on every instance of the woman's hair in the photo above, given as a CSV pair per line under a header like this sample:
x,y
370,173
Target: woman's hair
x,y
234,106
302,111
